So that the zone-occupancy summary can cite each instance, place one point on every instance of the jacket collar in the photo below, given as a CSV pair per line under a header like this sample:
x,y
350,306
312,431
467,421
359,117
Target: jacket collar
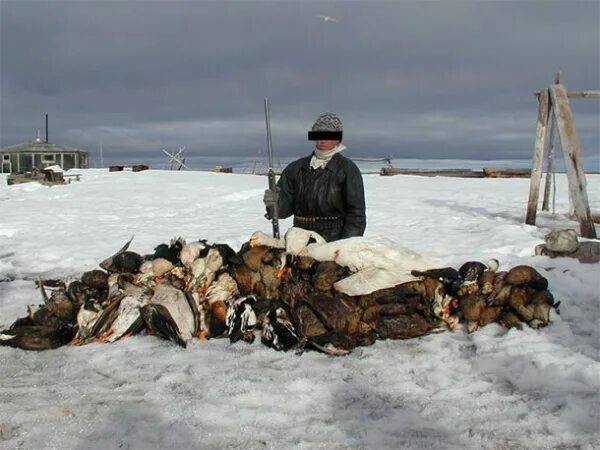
x,y
332,165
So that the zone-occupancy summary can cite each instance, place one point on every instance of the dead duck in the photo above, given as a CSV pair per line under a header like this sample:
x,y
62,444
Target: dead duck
x,y
471,273
108,264
445,274
309,324
278,330
38,337
87,316
338,313
404,326
501,290
217,298
327,274
96,279
161,266
526,275
170,315
445,307
245,279
169,252
510,320
241,319
477,313
205,270
59,304
190,252
128,319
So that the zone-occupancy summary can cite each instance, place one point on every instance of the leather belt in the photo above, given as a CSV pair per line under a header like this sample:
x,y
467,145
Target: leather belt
x,y
319,223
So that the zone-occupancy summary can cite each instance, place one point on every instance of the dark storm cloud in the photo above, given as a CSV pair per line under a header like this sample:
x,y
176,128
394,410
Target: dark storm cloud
x,y
413,79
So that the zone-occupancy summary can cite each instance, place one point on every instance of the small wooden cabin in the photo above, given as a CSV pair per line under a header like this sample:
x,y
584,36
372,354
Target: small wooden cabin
x,y
38,155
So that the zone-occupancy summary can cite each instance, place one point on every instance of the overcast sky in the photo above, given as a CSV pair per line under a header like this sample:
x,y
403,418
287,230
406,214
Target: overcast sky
x,y
426,79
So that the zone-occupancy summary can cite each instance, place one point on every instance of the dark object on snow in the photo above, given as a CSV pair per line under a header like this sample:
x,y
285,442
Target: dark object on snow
x,y
565,243
37,337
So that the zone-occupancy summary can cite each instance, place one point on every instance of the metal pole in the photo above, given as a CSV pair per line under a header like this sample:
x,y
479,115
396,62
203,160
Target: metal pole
x,y
271,173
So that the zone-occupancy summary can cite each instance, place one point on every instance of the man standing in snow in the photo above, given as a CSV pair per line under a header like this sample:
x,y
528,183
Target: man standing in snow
x,y
324,191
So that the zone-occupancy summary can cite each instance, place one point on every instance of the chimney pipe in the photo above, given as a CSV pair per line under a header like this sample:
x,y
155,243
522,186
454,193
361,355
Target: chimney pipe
x,y
46,128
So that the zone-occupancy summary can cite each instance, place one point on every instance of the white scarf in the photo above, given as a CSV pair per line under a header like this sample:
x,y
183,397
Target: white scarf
x,y
320,158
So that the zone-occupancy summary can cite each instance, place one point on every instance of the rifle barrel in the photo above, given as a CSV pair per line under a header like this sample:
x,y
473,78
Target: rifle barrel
x,y
271,173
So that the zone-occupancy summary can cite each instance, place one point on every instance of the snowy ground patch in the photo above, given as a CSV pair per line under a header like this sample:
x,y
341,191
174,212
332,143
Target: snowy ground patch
x,y
491,389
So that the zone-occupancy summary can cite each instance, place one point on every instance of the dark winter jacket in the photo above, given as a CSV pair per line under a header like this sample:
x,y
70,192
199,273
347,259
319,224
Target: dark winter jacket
x,y
329,200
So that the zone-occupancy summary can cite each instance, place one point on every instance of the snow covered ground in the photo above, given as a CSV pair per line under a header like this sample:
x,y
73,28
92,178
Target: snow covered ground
x,y
492,389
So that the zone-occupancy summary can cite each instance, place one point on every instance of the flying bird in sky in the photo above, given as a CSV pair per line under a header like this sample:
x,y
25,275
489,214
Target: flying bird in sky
x,y
327,19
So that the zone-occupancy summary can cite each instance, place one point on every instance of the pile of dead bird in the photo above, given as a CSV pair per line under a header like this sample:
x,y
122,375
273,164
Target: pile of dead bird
x,y
295,293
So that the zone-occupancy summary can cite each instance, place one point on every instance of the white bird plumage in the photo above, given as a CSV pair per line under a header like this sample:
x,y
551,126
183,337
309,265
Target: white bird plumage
x,y
326,19
377,265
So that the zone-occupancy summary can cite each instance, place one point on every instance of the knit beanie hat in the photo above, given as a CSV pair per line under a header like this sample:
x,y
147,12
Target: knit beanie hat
x,y
328,126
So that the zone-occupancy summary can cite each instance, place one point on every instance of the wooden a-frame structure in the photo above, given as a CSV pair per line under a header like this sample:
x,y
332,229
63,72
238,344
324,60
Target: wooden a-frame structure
x,y
554,108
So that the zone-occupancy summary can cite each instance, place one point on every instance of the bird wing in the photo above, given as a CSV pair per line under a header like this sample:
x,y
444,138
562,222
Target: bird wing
x,y
107,317
108,262
159,319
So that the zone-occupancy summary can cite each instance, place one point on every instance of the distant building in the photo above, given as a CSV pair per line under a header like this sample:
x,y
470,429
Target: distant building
x,y
39,155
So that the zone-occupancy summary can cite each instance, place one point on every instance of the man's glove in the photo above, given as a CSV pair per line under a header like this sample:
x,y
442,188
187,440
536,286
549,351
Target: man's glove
x,y
270,199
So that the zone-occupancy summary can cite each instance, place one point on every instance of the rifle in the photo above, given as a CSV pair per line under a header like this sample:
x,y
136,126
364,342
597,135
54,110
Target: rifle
x,y
271,174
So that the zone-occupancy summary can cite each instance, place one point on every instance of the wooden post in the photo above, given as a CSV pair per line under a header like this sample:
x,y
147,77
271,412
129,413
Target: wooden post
x,y
572,153
538,158
550,162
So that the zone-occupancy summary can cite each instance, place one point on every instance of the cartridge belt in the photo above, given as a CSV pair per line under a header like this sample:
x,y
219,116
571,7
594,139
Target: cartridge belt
x,y
319,223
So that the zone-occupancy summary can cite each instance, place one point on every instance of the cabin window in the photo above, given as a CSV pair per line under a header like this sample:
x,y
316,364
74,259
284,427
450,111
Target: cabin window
x,y
5,157
48,158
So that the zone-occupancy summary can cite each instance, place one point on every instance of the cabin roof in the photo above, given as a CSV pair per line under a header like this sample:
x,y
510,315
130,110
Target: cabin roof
x,y
40,147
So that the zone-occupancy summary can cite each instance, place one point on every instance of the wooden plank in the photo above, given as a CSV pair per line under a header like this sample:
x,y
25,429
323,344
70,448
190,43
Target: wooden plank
x,y
549,164
492,172
572,152
538,158
460,173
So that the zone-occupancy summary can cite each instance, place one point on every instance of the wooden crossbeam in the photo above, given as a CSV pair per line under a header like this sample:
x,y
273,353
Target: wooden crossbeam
x,y
577,94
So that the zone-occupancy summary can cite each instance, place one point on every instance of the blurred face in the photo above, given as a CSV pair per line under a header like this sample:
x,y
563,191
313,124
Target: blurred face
x,y
326,146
